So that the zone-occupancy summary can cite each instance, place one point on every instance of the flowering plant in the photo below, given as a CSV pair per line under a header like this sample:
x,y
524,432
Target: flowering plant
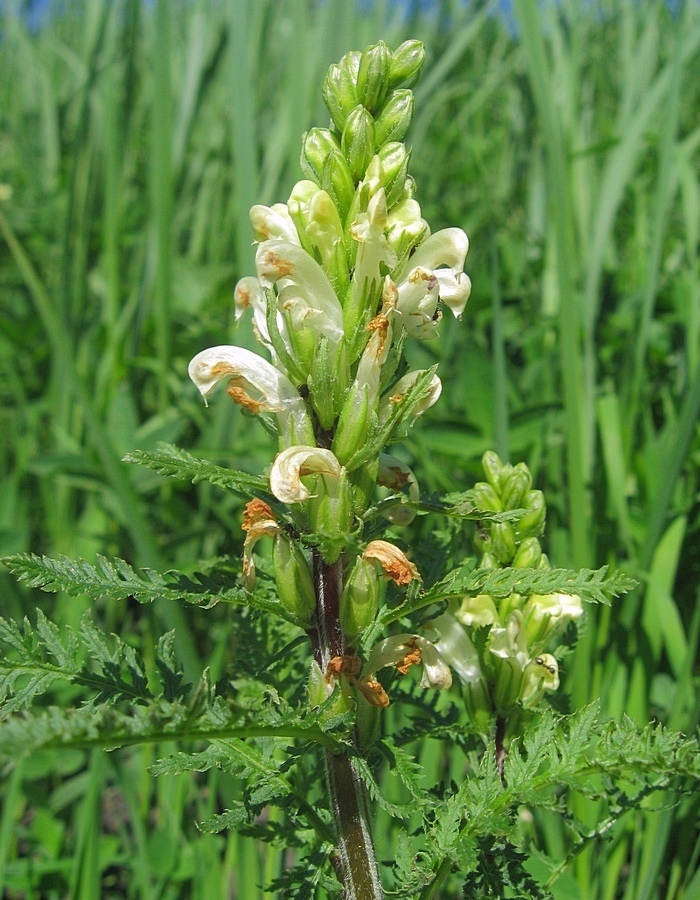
x,y
347,273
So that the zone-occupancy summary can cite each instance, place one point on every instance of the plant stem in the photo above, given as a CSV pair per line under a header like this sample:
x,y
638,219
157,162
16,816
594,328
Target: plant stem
x,y
348,794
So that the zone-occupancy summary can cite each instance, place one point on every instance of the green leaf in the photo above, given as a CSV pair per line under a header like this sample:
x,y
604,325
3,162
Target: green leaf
x,y
592,585
117,580
175,463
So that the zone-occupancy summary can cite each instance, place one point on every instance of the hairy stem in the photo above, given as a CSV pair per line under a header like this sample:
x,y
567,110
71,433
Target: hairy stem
x,y
348,794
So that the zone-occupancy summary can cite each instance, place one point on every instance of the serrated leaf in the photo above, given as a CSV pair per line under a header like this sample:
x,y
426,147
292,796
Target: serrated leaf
x,y
175,463
116,580
592,585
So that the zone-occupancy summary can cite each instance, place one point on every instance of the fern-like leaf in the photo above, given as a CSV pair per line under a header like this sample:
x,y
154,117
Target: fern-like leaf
x,y
116,580
592,585
175,463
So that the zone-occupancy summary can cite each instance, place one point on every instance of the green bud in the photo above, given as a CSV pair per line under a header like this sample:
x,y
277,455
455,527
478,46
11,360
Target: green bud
x,y
516,486
532,523
339,94
364,486
316,144
394,158
358,141
337,181
528,555
406,62
360,599
488,561
295,586
354,423
486,498
393,121
373,76
492,466
320,383
503,541
330,513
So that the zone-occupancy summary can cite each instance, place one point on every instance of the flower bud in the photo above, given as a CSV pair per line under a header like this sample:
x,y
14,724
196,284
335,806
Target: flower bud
x,y
339,94
337,181
516,486
488,561
355,422
373,76
395,118
316,144
321,382
485,498
503,541
492,466
330,513
532,523
360,599
406,62
357,142
528,555
394,158
295,587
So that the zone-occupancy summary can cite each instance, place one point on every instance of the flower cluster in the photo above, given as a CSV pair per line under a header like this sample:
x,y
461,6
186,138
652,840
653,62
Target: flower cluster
x,y
498,647
346,271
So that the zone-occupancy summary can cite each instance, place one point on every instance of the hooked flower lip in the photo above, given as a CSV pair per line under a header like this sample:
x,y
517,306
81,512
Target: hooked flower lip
x,y
293,463
258,522
393,561
254,383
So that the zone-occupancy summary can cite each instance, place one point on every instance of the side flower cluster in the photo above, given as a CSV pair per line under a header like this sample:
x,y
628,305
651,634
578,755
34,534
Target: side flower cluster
x,y
346,271
499,647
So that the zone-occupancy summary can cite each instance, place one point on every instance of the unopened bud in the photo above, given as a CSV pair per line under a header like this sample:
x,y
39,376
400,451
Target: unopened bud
x,y
358,141
528,555
486,498
394,158
406,62
360,599
337,181
532,523
394,120
330,513
354,423
295,587
339,94
492,466
516,486
373,76
503,541
316,144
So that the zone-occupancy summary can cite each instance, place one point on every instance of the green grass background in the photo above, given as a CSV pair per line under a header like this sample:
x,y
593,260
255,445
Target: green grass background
x,y
566,142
